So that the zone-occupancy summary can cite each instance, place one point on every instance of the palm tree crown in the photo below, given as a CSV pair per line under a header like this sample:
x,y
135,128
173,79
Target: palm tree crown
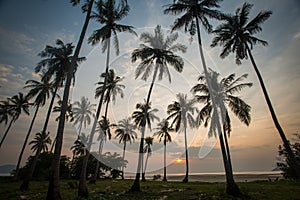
x,y
193,10
236,33
40,142
158,53
126,131
163,131
108,13
224,93
138,115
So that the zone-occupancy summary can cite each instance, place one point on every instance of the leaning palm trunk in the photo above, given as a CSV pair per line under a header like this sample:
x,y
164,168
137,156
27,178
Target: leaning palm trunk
x,y
227,149
53,188
165,159
136,184
294,164
124,148
25,183
231,186
25,143
82,188
6,132
186,178
96,172
145,168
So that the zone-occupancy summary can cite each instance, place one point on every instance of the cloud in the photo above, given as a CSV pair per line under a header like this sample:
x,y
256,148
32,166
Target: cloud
x,y
297,35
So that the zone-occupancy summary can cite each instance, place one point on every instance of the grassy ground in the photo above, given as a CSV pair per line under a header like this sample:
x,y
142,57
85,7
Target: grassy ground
x,y
116,189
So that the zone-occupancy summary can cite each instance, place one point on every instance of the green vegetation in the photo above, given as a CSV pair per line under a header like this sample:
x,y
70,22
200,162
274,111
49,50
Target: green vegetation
x,y
117,189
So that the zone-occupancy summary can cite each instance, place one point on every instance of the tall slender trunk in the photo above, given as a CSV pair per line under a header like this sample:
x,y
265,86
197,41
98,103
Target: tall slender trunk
x,y
136,184
227,149
25,183
231,187
6,132
50,109
25,143
124,148
165,159
295,166
146,162
186,178
82,188
54,188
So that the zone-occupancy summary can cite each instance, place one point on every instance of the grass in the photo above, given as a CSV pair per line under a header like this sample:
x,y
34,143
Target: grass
x,y
152,190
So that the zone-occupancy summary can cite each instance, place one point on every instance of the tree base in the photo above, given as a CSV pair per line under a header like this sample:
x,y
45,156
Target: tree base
x,y
233,189
83,191
185,180
135,187
164,179
24,186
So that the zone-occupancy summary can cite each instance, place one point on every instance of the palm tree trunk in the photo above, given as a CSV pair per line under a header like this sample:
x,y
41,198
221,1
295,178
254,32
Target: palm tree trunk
x,y
231,187
136,184
82,188
294,165
144,173
50,109
25,183
25,143
165,159
53,188
124,148
227,149
5,134
186,178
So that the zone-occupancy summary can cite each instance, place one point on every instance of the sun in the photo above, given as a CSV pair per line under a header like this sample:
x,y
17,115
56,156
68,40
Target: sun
x,y
179,161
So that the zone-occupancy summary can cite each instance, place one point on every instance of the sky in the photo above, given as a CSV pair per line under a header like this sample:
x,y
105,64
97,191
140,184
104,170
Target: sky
x,y
26,27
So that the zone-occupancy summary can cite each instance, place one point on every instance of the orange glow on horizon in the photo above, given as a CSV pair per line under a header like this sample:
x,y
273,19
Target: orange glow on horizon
x,y
179,161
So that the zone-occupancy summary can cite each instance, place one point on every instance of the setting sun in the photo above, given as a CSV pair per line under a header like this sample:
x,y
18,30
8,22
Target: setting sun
x,y
179,161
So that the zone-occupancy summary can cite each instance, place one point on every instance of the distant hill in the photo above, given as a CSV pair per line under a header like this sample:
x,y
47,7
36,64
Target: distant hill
x,y
6,169
277,169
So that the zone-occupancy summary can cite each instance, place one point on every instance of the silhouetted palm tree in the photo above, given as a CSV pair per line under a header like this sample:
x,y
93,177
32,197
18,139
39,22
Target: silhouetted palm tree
x,y
156,54
126,133
53,188
181,112
41,92
108,13
163,133
236,35
83,110
39,145
224,92
147,149
15,105
69,113
78,149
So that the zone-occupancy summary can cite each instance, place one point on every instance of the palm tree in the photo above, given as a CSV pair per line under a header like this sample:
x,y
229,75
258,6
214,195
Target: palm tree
x,y
53,188
181,112
39,145
40,90
108,13
5,114
82,110
113,88
196,11
236,35
157,53
224,93
163,134
105,133
79,146
126,133
15,105
147,149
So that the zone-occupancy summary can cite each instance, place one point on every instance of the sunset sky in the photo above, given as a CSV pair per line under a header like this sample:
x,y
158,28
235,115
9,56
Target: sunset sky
x,y
26,27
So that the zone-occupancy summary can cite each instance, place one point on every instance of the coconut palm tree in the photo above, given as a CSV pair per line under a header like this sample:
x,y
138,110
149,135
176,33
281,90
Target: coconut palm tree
x,y
104,133
181,112
113,88
107,13
5,114
15,106
224,93
237,35
69,112
195,12
39,145
83,110
126,133
163,133
41,92
53,188
147,149
79,146
156,54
